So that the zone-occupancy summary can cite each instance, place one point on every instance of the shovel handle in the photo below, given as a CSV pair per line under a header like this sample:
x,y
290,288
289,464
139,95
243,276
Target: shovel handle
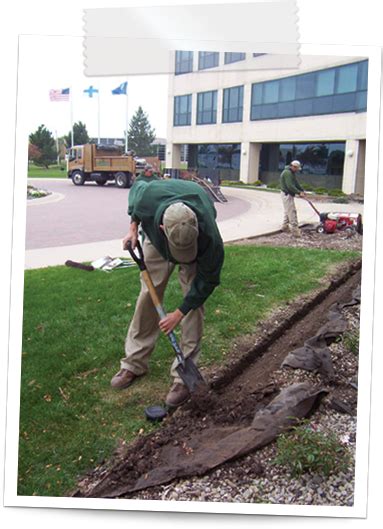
x,y
139,259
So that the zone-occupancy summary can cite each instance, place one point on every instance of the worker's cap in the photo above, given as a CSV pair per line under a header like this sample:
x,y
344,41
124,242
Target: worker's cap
x,y
296,163
181,229
148,167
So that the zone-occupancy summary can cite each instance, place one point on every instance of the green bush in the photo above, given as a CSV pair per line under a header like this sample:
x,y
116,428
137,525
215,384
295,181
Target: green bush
x,y
336,193
321,190
305,450
258,183
308,187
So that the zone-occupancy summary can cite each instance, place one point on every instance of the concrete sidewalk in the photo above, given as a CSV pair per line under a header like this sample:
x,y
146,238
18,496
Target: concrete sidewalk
x,y
263,216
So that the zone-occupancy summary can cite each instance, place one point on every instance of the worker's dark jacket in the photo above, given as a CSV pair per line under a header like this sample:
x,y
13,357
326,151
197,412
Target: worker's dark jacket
x,y
289,182
147,203
147,179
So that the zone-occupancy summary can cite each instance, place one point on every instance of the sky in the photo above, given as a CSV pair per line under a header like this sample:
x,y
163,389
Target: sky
x,y
56,62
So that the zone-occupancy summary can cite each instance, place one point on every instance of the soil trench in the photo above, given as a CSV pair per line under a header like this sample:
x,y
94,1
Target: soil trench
x,y
202,429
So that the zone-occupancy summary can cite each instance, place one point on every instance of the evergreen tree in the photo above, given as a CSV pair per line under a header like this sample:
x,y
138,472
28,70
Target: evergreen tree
x,y
140,134
46,152
80,135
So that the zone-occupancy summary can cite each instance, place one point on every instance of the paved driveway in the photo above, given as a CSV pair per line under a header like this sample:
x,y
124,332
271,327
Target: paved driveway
x,y
83,223
88,213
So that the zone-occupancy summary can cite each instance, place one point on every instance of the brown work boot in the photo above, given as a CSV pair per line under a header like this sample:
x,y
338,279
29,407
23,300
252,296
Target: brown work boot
x,y
177,395
296,232
123,379
285,228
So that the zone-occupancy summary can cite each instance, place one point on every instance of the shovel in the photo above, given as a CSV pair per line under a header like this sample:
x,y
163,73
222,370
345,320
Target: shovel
x,y
186,368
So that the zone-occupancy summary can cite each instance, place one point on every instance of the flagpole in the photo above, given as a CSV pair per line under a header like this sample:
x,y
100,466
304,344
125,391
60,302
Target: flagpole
x,y
127,122
98,104
71,115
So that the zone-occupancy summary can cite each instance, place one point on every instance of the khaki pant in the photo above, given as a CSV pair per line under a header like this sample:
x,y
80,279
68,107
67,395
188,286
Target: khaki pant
x,y
144,331
290,217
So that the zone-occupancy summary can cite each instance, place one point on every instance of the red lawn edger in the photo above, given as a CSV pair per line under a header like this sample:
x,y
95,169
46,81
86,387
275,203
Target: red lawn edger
x,y
339,221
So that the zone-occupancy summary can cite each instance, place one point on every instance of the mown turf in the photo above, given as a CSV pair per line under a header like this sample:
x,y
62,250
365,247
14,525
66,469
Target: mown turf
x,y
73,338
54,171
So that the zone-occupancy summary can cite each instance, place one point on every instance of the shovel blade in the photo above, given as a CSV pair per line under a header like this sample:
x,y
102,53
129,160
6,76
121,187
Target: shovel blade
x,y
190,375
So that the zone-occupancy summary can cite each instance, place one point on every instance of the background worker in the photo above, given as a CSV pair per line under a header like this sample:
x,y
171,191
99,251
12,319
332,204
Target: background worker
x,y
178,221
289,188
147,174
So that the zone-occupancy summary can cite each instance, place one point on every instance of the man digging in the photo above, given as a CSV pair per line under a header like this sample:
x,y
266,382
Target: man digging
x,y
289,188
179,226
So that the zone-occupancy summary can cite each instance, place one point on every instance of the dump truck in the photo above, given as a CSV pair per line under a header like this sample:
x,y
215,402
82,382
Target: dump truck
x,y
101,163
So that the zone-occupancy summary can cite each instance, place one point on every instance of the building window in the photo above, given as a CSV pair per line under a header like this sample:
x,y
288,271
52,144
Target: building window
x,y
234,57
322,163
184,62
329,91
216,161
207,107
182,110
347,79
208,59
232,104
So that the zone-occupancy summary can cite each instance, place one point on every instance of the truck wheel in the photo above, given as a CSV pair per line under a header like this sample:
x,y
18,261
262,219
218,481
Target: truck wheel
x,y
122,179
78,178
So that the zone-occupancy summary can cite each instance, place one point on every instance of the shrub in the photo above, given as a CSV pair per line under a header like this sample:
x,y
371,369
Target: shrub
x,y
305,450
308,187
321,190
341,200
336,193
274,185
258,183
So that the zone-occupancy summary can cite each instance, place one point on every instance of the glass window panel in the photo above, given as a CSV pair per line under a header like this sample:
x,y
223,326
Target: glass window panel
x,y
286,109
182,110
270,92
305,86
362,75
325,83
361,101
347,79
234,57
257,91
184,62
344,103
304,107
323,105
207,59
287,90
256,112
269,111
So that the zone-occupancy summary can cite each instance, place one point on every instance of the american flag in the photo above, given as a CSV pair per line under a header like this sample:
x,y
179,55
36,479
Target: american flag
x,y
59,95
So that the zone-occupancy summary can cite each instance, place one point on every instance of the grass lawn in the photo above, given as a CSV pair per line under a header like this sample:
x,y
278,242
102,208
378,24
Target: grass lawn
x,y
73,338
54,171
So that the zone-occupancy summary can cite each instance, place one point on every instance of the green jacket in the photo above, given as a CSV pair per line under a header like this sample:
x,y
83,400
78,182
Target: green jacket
x,y
289,182
147,203
147,179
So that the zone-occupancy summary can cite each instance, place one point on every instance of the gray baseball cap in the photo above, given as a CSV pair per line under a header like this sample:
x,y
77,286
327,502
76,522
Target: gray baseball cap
x,y
181,229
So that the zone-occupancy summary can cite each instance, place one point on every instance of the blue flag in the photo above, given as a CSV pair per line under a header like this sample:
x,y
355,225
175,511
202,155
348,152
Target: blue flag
x,y
90,91
122,89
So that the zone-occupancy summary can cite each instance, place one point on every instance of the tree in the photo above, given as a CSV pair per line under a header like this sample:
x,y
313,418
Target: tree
x,y
141,135
34,153
43,140
80,135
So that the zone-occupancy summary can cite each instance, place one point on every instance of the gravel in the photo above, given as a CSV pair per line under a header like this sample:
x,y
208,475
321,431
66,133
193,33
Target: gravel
x,y
256,479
